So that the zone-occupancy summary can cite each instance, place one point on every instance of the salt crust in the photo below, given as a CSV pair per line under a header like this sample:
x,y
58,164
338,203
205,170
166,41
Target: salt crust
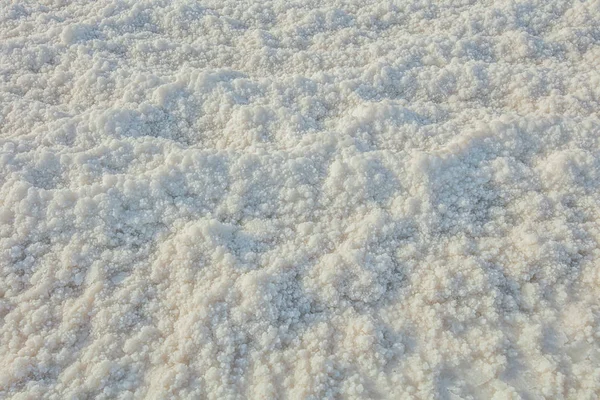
x,y
302,200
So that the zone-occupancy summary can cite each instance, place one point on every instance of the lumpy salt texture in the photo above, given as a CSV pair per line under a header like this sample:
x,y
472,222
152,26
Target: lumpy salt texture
x,y
299,200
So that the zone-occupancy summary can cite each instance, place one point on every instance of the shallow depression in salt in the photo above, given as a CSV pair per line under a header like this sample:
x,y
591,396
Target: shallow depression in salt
x,y
299,200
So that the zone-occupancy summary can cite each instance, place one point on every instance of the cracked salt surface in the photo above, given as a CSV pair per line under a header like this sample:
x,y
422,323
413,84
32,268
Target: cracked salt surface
x,y
303,200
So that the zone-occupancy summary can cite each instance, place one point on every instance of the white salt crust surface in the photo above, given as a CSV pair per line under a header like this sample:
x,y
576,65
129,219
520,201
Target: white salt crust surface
x,y
299,200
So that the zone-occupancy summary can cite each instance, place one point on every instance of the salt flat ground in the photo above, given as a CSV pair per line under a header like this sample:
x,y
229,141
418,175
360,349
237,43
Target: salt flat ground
x,y
326,199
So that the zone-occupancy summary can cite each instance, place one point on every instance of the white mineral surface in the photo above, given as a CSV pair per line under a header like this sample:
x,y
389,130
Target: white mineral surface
x,y
326,199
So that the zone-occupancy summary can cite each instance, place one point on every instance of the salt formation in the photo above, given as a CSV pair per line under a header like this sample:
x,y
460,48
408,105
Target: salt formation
x,y
302,200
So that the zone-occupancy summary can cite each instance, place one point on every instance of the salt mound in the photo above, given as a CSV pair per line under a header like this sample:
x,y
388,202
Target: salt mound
x,y
304,200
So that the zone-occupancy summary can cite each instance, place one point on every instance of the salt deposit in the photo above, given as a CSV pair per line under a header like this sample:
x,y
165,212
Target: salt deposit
x,y
299,200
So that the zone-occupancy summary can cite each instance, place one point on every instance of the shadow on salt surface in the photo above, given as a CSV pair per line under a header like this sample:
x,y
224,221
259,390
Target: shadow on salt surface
x,y
390,125
150,121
